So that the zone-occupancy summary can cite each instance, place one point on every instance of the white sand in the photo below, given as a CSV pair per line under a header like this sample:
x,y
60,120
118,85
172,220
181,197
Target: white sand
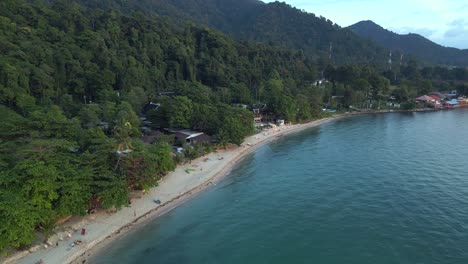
x,y
176,187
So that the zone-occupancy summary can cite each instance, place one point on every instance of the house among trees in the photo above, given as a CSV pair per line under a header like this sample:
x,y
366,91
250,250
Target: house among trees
x,y
167,94
393,104
425,99
190,136
258,110
451,103
243,106
150,106
439,96
258,116
452,94
463,101
320,82
151,137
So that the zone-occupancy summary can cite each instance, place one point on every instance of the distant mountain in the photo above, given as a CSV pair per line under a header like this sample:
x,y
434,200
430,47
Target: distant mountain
x,y
273,23
413,44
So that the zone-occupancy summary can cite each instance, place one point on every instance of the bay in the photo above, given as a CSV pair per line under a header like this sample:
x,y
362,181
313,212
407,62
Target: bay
x,y
386,188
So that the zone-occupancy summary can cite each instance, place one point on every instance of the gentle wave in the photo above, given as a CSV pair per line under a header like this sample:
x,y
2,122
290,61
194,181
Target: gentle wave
x,y
368,189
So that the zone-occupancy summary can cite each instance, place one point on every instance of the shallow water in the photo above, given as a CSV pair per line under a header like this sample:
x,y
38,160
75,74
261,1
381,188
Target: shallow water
x,y
387,188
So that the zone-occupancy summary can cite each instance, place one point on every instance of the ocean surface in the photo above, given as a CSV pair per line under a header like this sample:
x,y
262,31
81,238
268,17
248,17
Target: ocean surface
x,y
387,188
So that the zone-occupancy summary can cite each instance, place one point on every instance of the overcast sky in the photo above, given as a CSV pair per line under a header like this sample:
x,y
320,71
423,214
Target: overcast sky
x,y
442,21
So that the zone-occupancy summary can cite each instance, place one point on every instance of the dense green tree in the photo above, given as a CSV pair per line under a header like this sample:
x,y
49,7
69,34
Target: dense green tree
x,y
241,94
205,118
145,165
236,125
180,112
304,108
89,115
18,219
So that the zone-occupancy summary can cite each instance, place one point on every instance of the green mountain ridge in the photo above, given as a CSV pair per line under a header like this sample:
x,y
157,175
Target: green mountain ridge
x,y
252,20
413,44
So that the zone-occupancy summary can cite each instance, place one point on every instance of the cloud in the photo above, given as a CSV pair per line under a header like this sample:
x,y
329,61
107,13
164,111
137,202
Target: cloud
x,y
463,7
426,32
453,34
456,33
459,22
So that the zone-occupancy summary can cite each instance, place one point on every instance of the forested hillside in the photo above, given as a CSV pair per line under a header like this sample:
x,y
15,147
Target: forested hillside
x,y
75,83
411,44
274,23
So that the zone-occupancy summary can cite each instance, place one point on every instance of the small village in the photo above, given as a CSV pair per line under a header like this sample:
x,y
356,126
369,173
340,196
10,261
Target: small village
x,y
442,101
181,139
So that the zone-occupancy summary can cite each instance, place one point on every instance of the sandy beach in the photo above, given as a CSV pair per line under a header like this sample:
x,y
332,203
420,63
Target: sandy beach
x,y
186,181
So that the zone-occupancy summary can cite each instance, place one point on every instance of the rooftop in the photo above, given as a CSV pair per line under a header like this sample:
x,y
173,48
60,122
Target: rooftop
x,y
189,133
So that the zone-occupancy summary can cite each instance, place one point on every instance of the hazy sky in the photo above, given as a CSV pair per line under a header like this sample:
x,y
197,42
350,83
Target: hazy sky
x,y
442,21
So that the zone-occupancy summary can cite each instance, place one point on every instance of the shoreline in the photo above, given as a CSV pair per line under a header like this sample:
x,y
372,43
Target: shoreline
x,y
240,153
174,189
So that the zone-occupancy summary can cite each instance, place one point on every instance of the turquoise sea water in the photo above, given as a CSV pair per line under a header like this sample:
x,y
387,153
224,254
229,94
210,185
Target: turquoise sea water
x,y
387,188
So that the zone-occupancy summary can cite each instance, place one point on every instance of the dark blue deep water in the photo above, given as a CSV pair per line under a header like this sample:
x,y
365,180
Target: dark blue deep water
x,y
389,188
